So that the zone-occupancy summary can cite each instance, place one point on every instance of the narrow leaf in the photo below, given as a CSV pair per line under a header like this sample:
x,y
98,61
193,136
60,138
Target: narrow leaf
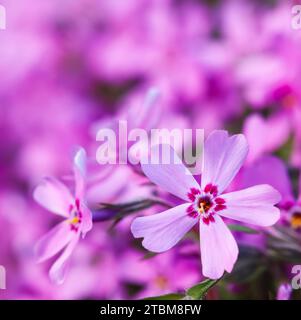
x,y
198,291
240,228
170,296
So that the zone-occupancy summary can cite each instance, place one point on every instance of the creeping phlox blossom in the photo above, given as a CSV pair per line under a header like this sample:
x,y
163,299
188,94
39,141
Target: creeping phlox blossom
x,y
56,197
205,203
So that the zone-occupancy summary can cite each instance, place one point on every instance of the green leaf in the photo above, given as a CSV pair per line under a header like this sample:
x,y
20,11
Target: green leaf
x,y
150,255
240,228
198,291
286,150
170,296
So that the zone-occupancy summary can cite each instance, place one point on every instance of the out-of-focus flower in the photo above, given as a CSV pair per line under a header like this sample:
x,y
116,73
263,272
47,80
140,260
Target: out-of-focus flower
x,y
257,131
223,157
55,196
161,45
269,77
137,114
159,275
273,171
284,292
145,115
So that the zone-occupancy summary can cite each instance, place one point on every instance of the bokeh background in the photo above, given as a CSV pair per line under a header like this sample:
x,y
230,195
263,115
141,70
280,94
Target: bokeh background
x,y
68,67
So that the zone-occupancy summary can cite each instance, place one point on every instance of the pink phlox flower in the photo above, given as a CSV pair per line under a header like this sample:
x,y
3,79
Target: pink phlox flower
x,y
206,204
56,197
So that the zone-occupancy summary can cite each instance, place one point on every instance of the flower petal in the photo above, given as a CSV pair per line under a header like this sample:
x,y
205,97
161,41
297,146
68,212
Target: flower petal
x,y
86,219
79,167
219,249
54,196
163,230
58,270
256,127
170,174
223,157
53,241
146,115
253,205
268,170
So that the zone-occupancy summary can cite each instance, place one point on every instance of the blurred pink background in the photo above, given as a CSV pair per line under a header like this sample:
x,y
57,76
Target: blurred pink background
x,y
69,66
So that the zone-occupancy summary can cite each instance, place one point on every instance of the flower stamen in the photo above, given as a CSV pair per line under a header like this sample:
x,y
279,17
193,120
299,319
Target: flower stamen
x,y
75,216
296,220
74,220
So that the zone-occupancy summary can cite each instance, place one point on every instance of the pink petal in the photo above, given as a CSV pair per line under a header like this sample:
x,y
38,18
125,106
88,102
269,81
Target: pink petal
x,y
163,230
146,115
282,122
86,219
53,241
58,270
268,170
54,196
173,177
219,249
223,157
254,205
256,127
79,167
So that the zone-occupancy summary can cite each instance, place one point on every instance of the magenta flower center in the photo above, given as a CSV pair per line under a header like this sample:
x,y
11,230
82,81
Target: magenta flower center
x,y
205,203
294,211
75,216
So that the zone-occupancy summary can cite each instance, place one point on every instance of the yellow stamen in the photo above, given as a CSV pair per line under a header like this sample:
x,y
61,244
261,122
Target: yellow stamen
x,y
201,208
75,220
296,221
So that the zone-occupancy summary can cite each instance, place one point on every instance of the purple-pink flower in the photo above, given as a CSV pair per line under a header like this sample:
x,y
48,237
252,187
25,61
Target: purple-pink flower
x,y
206,204
56,197
273,171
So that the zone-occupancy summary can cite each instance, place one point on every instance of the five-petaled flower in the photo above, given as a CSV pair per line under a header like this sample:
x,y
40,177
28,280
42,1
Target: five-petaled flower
x,y
56,197
206,203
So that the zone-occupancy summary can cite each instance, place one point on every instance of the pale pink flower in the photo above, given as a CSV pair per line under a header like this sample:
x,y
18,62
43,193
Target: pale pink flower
x,y
56,197
205,204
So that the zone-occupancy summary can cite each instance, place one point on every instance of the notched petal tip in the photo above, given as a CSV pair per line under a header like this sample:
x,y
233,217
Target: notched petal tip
x,y
224,155
277,195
